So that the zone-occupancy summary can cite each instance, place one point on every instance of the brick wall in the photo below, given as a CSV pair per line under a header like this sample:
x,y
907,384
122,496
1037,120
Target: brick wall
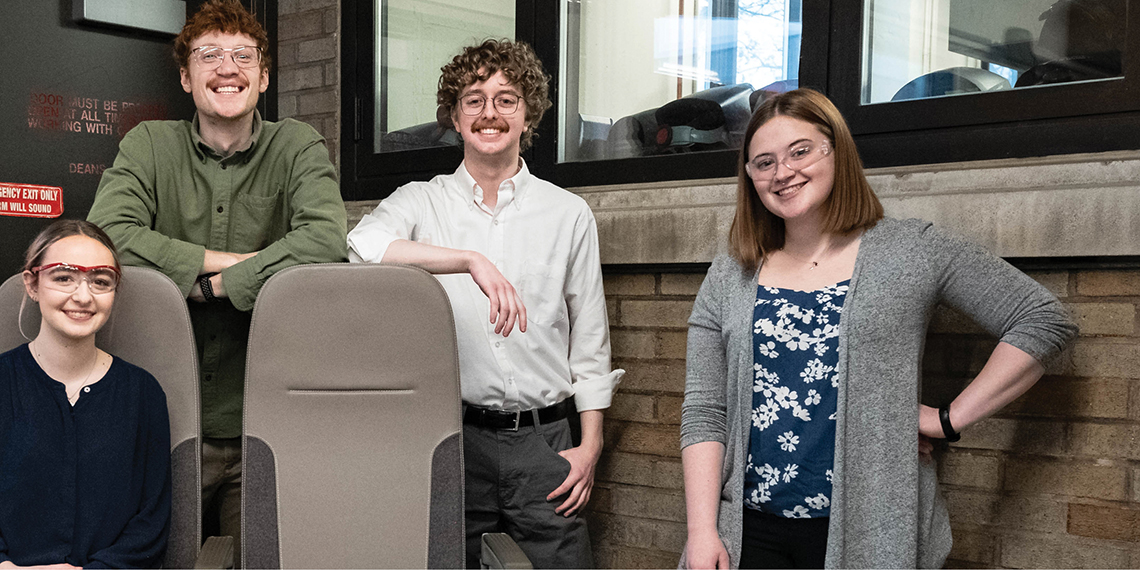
x,y
1052,481
308,66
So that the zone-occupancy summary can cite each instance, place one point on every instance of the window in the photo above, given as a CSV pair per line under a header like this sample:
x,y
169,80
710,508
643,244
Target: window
x,y
653,90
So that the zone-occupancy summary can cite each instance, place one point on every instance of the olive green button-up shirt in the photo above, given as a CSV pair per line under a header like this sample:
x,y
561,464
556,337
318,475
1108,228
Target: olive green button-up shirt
x,y
169,197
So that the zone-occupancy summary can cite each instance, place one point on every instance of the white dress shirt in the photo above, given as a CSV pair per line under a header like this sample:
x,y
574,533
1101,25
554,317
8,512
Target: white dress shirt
x,y
544,240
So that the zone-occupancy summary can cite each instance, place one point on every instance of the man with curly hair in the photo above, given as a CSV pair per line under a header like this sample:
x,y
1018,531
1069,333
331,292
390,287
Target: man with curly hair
x,y
525,252
220,204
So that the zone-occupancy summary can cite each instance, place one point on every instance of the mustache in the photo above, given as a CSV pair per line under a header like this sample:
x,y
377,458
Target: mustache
x,y
489,124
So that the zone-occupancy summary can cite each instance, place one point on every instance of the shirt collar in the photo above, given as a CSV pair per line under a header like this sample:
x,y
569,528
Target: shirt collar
x,y
519,182
204,150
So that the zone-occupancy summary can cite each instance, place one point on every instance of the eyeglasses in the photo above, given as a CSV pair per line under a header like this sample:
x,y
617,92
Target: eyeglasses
x,y
212,57
65,277
763,168
473,104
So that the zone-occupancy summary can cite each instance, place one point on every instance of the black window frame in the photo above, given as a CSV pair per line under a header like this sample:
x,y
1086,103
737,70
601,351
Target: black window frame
x,y
1095,116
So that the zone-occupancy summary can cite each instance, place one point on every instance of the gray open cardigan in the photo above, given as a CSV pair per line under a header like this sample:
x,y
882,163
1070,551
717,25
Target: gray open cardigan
x,y
886,511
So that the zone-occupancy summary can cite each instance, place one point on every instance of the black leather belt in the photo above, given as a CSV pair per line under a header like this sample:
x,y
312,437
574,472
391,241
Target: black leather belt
x,y
496,419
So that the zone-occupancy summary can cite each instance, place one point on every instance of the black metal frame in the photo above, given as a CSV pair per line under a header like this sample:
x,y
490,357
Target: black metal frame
x,y
1061,119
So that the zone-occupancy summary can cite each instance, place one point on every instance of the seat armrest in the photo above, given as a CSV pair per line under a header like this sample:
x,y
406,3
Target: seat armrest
x,y
218,553
500,551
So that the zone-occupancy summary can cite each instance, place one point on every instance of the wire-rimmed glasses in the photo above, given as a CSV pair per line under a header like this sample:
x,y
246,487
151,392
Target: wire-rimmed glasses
x,y
211,57
473,104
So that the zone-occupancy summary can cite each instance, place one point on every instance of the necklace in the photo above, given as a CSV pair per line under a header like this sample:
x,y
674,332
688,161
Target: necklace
x,y
71,398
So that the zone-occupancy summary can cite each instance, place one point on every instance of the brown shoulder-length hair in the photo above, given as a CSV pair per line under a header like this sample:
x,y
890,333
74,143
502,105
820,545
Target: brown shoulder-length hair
x,y
227,17
852,204
518,63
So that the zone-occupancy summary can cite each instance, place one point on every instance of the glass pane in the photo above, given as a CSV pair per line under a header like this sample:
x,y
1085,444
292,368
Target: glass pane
x,y
915,49
416,38
652,77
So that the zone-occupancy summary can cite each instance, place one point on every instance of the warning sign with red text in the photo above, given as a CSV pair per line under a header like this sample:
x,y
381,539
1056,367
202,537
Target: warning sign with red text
x,y
30,200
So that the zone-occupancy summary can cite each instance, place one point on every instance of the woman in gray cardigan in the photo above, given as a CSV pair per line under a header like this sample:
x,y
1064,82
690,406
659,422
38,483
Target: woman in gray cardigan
x,y
809,231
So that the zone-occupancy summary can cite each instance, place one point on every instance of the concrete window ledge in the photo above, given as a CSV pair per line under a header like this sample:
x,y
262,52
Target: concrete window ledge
x,y
1062,206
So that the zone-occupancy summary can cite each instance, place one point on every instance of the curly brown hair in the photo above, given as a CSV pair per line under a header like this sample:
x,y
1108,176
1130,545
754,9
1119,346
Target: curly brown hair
x,y
227,17
518,63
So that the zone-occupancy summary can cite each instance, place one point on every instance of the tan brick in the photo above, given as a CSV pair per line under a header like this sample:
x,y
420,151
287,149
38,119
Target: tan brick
x,y
1045,551
671,344
645,502
635,284
1069,397
1108,283
971,509
631,557
1057,282
1111,359
1109,523
649,439
974,547
966,469
656,313
1104,318
669,409
667,474
612,312
948,320
632,344
1113,441
1025,436
631,407
1136,484
681,283
614,530
653,375
628,468
1077,479
601,499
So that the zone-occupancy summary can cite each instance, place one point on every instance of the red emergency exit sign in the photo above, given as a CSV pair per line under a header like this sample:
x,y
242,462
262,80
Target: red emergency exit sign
x,y
30,200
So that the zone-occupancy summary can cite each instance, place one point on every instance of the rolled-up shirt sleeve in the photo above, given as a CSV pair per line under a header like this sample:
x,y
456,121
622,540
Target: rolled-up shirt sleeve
x,y
395,218
594,380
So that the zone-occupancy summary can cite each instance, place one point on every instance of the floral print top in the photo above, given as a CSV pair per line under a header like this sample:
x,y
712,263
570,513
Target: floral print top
x,y
795,337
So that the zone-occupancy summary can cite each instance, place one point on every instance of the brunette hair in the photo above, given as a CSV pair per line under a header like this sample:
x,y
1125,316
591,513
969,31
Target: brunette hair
x,y
60,229
224,16
518,63
851,205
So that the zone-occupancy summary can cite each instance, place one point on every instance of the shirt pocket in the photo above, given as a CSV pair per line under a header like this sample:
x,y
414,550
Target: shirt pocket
x,y
257,221
541,292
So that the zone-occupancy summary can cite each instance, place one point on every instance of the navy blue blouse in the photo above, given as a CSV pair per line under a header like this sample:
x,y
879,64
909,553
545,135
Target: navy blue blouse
x,y
88,485
791,448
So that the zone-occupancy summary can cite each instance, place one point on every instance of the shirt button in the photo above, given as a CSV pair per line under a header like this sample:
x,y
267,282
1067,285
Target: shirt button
x,y
86,389
220,209
209,377
223,166
497,344
496,222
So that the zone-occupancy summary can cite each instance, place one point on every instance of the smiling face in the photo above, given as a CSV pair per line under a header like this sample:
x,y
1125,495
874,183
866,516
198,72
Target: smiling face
x,y
79,314
787,193
490,134
228,93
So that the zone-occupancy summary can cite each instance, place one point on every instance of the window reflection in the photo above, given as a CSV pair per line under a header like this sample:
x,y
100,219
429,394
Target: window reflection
x,y
931,48
642,77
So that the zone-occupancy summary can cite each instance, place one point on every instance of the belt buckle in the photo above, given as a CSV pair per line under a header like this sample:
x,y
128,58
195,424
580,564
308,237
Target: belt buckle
x,y
518,417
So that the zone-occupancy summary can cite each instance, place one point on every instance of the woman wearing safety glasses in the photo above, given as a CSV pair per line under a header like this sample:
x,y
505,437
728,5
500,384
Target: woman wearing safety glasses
x,y
804,441
84,436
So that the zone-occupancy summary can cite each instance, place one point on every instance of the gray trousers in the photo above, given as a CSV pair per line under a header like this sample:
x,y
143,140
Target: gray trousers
x,y
509,474
221,490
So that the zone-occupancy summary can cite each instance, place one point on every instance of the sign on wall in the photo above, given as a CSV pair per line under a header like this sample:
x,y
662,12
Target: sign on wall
x,y
70,93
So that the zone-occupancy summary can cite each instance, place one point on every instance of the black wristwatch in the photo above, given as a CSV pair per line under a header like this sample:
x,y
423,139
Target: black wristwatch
x,y
947,429
208,292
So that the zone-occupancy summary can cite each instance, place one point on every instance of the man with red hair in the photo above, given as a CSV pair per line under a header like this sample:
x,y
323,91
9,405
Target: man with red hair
x,y
220,204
